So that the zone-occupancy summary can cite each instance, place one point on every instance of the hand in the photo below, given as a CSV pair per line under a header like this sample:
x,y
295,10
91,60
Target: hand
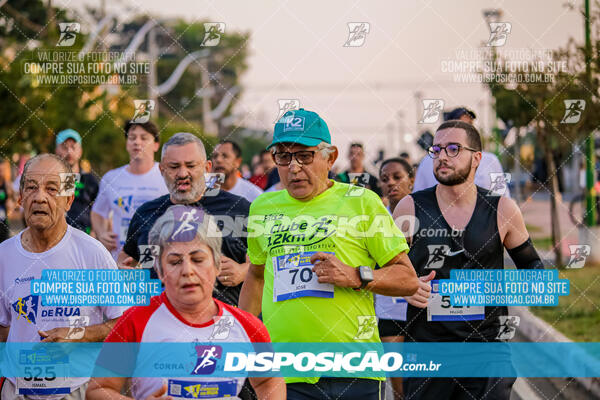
x,y
421,297
109,240
62,335
128,263
232,273
158,395
331,270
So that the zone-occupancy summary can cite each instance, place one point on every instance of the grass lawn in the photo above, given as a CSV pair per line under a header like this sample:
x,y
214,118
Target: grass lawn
x,y
577,315
542,243
533,228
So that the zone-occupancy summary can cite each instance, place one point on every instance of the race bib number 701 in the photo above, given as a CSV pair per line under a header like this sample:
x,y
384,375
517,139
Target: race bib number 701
x,y
295,278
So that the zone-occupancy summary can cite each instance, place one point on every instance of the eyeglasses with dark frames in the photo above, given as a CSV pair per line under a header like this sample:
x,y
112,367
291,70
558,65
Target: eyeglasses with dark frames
x,y
303,157
451,149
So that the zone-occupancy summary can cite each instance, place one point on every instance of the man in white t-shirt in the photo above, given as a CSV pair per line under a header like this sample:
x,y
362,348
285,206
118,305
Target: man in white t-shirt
x,y
48,243
124,189
227,159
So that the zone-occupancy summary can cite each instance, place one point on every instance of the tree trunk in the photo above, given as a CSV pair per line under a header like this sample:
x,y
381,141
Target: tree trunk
x,y
517,170
554,192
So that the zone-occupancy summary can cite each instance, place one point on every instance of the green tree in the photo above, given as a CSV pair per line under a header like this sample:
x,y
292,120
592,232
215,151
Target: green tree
x,y
540,106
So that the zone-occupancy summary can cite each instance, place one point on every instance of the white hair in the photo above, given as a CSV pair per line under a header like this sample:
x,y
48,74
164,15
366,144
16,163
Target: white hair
x,y
326,149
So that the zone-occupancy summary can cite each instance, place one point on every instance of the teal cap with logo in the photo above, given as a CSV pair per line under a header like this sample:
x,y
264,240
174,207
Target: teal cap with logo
x,y
302,127
67,134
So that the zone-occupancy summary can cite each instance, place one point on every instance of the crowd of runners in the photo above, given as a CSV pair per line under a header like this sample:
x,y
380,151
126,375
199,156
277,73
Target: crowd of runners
x,y
323,260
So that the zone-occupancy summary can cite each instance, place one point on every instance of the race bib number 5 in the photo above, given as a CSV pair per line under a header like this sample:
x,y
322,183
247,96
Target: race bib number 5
x,y
440,309
295,278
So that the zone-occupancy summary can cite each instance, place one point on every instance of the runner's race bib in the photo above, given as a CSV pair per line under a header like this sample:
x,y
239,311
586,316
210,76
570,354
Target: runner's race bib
x,y
194,389
388,307
440,309
295,278
43,374
123,231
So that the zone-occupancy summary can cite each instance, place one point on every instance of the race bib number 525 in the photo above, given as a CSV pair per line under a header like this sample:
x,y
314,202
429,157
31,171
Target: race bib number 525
x,y
295,278
43,374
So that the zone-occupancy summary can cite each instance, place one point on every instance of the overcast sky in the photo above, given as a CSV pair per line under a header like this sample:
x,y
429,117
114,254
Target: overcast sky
x,y
296,51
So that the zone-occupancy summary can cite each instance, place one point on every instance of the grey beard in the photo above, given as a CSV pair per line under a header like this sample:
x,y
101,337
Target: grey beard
x,y
192,196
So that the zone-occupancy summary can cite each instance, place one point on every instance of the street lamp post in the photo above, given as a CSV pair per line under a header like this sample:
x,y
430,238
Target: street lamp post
x,y
590,193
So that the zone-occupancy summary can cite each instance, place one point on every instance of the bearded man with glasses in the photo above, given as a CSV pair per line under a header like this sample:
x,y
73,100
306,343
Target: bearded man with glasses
x,y
313,249
460,226
489,174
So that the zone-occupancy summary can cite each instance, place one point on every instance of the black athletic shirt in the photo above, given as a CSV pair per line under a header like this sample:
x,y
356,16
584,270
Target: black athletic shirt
x,y
483,249
4,231
224,203
86,191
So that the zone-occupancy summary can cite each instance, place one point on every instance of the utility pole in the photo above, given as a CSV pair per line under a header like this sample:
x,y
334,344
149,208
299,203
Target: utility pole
x,y
152,78
494,15
209,124
590,193
517,158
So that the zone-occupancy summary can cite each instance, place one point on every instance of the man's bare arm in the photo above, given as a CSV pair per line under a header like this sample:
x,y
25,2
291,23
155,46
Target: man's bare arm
x,y
396,278
252,289
515,237
4,333
271,388
404,212
103,230
92,333
510,223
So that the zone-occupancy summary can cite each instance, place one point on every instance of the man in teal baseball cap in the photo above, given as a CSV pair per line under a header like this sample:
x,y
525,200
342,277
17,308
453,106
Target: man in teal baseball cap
x,y
329,290
301,126
63,135
68,146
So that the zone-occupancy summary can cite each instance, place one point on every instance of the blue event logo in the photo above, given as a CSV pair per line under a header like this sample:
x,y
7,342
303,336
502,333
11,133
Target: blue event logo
x,y
27,307
207,359
124,202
